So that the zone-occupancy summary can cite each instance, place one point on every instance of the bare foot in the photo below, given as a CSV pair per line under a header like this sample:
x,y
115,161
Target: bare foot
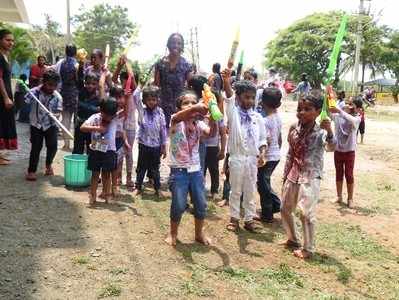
x,y
203,239
171,240
92,199
339,200
290,244
350,203
302,254
136,193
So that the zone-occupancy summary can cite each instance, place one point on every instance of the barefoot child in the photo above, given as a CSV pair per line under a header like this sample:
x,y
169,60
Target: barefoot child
x,y
247,150
303,171
41,125
346,122
102,153
269,201
151,137
185,169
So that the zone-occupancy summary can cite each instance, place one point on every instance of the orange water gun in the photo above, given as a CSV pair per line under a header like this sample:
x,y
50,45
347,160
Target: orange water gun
x,y
210,101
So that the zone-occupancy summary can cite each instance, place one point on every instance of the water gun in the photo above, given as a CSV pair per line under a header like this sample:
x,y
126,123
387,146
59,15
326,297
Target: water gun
x,y
240,64
81,54
330,96
233,51
107,51
210,100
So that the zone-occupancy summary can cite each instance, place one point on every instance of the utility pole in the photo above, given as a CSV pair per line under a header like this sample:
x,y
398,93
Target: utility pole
x,y
68,37
358,47
192,46
196,42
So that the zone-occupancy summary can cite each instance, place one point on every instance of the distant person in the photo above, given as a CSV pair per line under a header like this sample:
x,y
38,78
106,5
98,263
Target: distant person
x,y
172,73
215,81
19,97
36,71
341,99
303,87
8,132
97,67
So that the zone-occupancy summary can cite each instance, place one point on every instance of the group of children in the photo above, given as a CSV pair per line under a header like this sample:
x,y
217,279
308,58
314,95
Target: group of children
x,y
105,127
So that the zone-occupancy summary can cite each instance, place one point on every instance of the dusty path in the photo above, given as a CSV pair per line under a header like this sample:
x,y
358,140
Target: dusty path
x,y
52,246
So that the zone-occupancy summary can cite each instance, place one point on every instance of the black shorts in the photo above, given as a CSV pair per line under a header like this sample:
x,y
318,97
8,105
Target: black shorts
x,y
102,161
362,127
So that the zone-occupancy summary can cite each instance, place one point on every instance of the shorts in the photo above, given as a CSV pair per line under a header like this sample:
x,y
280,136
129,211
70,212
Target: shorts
x,y
102,161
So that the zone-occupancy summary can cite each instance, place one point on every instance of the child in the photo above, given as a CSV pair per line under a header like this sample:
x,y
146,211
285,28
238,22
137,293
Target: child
x,y
347,122
362,126
341,99
121,142
102,154
247,145
270,202
185,169
88,104
130,120
41,124
303,171
19,97
151,137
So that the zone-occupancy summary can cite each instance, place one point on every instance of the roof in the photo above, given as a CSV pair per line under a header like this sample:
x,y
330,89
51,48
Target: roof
x,y
13,11
381,82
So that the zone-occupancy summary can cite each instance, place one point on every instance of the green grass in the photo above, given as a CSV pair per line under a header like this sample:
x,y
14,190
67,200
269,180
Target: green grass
x,y
118,271
195,284
80,260
110,290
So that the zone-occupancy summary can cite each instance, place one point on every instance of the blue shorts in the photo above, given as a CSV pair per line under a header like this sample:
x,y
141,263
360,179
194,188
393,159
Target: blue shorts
x,y
181,183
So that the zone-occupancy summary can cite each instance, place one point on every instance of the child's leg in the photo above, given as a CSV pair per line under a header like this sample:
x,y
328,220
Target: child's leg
x,y
197,189
129,157
78,141
178,185
339,173
114,181
66,121
212,163
288,205
349,166
93,186
106,181
142,165
50,136
236,182
154,165
36,139
249,173
308,197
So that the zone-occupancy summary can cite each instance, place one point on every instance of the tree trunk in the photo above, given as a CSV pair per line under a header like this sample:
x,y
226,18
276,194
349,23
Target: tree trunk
x,y
363,71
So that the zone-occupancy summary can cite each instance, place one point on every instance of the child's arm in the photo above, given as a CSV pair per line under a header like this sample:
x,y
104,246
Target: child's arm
x,y
189,113
226,75
137,98
210,129
87,126
354,120
288,161
164,135
331,141
124,136
119,66
263,143
101,85
223,140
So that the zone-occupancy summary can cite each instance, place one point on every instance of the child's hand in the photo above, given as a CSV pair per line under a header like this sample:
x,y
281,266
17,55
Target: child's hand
x,y
221,155
163,151
334,110
127,146
101,129
200,108
226,74
261,161
326,125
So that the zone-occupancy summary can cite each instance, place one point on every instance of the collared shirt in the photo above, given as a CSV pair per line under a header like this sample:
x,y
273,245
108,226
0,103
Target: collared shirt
x,y
184,144
305,155
152,124
247,131
38,117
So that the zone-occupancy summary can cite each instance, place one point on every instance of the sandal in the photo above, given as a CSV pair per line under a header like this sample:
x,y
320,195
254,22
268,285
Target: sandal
x,y
233,225
251,226
31,177
291,244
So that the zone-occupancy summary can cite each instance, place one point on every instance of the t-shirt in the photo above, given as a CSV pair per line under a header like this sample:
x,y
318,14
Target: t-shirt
x,y
130,121
184,145
273,131
346,127
213,141
107,138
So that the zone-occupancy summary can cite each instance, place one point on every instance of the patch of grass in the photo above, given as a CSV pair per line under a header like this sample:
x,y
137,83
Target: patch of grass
x,y
110,290
329,264
80,260
118,271
212,209
194,285
353,240
283,275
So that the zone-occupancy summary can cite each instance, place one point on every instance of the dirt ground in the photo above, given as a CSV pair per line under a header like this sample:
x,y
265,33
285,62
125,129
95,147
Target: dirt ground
x,y
52,246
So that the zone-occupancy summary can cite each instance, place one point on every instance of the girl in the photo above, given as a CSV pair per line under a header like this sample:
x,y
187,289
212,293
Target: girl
x,y
185,169
8,131
347,122
102,154
303,171
151,138
247,146
172,73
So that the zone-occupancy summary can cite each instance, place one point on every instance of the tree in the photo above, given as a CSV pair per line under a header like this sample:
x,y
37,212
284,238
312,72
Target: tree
x,y
390,59
24,49
102,25
305,46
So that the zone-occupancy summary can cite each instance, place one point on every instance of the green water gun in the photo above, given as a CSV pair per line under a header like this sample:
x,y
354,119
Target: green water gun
x,y
210,101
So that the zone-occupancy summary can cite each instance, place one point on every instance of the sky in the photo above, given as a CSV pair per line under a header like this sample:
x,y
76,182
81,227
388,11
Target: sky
x,y
216,20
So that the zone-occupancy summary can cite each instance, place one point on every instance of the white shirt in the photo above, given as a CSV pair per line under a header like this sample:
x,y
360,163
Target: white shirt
x,y
244,138
273,131
346,127
109,135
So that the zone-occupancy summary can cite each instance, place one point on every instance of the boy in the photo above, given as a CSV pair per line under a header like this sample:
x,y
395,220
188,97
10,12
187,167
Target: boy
x,y
269,201
41,124
247,150
303,171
